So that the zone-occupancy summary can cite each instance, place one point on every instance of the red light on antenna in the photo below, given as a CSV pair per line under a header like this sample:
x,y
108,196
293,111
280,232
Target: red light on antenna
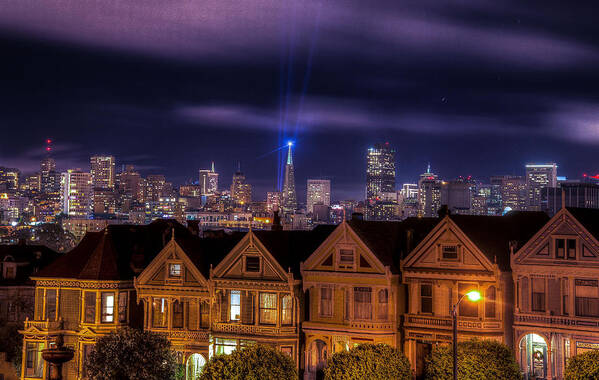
x,y
584,175
48,141
48,149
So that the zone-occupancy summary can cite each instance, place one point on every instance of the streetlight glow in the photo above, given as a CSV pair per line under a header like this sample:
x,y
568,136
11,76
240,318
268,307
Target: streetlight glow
x,y
474,295
290,143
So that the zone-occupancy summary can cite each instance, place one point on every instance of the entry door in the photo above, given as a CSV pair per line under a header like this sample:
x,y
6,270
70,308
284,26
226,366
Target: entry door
x,y
422,351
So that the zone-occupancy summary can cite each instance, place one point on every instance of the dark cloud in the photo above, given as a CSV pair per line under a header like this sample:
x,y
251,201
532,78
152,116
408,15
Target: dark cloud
x,y
472,87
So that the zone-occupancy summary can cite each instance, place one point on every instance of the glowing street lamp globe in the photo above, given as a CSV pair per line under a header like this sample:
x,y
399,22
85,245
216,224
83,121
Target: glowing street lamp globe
x,y
473,295
290,143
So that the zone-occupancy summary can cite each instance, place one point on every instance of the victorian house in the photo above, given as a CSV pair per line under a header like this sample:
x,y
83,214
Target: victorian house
x,y
89,292
177,295
17,290
463,253
556,277
353,287
257,291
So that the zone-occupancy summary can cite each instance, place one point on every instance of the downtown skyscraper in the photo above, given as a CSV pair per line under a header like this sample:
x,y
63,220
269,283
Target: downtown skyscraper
x,y
380,176
539,176
289,195
318,192
102,171
208,181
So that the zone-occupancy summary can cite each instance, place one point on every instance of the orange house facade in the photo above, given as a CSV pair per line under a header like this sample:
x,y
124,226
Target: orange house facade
x,y
462,253
353,289
556,278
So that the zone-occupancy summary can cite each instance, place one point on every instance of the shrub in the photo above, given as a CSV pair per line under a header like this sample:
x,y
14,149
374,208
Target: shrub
x,y
477,359
368,361
583,366
130,354
257,362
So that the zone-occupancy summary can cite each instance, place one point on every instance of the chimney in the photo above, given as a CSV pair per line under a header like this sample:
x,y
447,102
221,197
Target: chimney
x,y
276,222
409,240
194,227
563,198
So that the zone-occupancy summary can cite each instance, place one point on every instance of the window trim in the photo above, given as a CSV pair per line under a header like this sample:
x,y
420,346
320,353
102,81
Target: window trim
x,y
345,265
442,249
231,306
174,276
260,308
420,297
245,264
103,307
321,312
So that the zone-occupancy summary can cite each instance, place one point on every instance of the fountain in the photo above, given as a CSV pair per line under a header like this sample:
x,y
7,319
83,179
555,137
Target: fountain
x,y
56,356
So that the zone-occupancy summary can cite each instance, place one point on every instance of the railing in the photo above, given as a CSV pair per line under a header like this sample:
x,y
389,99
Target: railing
x,y
252,329
371,325
43,325
446,322
187,334
557,320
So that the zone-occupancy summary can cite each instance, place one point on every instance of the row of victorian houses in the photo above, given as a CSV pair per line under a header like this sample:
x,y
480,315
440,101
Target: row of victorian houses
x,y
313,293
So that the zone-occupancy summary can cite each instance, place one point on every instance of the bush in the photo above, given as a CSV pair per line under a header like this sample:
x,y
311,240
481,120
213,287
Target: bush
x,y
583,366
368,361
257,362
130,354
477,359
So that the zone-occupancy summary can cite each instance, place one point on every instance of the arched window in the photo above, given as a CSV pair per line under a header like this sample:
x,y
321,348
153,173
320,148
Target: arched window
x,y
287,310
490,296
383,304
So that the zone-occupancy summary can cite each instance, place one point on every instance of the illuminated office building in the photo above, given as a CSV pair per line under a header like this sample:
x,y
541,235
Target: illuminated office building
x,y
156,188
102,171
274,199
539,176
209,181
319,192
429,194
513,192
76,193
9,179
241,192
49,178
289,195
380,172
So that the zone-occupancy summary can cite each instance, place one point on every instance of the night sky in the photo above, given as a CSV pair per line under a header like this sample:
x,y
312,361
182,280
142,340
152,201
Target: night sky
x,y
473,87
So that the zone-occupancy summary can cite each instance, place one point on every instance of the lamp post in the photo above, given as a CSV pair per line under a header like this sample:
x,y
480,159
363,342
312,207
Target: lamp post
x,y
473,296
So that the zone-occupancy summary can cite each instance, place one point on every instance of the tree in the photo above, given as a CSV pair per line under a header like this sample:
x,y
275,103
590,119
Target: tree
x,y
130,354
477,359
368,361
257,362
583,366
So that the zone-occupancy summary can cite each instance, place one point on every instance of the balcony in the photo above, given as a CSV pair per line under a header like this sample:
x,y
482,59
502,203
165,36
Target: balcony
x,y
426,321
235,328
196,335
556,320
43,325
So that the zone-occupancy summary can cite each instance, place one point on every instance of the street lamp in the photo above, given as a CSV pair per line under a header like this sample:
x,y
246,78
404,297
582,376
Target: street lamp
x,y
474,296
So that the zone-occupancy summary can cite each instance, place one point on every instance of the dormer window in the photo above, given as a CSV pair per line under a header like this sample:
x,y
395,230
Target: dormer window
x,y
346,258
565,249
449,252
174,270
252,264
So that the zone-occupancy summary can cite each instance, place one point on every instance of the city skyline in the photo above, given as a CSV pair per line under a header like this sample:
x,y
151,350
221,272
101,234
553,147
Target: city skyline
x,y
167,96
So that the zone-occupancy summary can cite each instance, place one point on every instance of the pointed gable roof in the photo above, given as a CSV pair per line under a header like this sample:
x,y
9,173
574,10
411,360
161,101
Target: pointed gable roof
x,y
392,241
116,253
209,251
588,217
290,248
493,234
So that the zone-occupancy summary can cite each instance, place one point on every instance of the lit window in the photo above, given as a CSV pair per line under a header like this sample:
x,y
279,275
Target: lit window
x,y
235,305
159,312
107,307
177,314
174,270
287,310
268,308
252,264
33,360
363,303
